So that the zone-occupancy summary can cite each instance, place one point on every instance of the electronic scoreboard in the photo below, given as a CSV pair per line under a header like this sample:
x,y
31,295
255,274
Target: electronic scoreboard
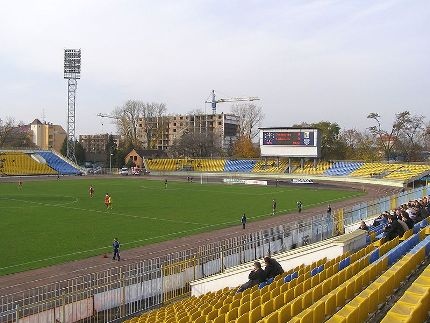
x,y
290,142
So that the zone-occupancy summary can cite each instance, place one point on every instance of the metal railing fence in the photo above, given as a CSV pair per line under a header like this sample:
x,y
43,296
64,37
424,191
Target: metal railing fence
x,y
117,293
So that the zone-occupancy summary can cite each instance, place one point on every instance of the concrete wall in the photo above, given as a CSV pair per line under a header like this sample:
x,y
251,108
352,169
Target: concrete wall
x,y
330,248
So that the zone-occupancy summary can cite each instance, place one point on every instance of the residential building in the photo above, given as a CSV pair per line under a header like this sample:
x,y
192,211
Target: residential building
x,y
95,146
46,135
162,131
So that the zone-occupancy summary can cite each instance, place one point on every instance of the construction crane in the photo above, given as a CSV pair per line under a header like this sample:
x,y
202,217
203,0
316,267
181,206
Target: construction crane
x,y
214,101
104,115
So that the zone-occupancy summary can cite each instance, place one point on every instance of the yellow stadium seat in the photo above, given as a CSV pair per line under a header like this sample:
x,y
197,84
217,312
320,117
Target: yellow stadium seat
x,y
326,286
288,296
317,293
255,314
184,319
284,313
296,305
224,309
272,318
267,308
265,297
278,302
318,312
330,304
207,309
219,319
274,292
231,315
307,299
244,308
255,302
201,319
298,290
244,318
212,315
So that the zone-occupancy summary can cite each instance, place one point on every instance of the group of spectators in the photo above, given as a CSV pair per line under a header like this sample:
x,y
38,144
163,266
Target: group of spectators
x,y
258,275
401,219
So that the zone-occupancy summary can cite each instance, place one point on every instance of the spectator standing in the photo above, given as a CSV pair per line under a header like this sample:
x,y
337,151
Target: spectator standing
x,y
243,220
329,210
255,277
116,245
299,206
273,268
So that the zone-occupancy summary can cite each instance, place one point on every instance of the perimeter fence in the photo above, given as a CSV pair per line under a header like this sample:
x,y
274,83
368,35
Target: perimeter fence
x,y
113,295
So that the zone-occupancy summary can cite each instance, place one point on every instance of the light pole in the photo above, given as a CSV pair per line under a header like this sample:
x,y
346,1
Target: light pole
x,y
110,163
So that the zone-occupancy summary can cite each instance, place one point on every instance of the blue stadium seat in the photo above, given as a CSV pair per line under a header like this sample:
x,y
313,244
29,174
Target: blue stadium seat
x,y
55,162
239,166
342,168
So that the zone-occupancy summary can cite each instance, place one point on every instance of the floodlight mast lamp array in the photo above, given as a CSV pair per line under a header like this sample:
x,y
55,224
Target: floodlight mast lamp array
x,y
72,72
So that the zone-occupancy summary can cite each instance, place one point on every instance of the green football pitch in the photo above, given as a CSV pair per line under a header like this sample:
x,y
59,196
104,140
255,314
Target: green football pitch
x,y
50,222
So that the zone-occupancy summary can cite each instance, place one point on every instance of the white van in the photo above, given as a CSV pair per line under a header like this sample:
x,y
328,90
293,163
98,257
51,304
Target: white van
x,y
124,171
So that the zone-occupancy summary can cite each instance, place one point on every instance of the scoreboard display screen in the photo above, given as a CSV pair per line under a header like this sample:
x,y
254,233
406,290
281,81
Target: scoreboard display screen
x,y
290,142
294,138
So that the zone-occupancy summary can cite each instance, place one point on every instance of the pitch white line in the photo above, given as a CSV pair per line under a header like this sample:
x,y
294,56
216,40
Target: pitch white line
x,y
107,212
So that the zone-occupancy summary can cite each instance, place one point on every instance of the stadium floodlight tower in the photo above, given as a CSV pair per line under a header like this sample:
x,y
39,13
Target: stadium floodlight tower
x,y
72,72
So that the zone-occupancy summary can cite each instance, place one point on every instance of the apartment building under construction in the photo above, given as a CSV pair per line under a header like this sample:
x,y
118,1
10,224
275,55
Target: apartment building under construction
x,y
163,131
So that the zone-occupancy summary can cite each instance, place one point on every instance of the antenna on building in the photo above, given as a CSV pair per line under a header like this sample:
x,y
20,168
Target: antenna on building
x,y
43,115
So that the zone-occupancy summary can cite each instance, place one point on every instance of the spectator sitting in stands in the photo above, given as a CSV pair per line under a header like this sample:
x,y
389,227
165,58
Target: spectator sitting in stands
x,y
256,276
363,226
407,219
412,212
394,228
382,219
402,223
273,268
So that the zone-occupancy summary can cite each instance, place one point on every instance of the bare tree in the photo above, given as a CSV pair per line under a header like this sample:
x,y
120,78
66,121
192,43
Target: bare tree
x,y
196,145
135,112
6,130
359,145
153,122
250,117
14,135
409,138
403,134
386,139
127,119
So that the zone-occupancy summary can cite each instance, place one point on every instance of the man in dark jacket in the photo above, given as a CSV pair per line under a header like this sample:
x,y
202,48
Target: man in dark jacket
x,y
273,268
394,228
256,276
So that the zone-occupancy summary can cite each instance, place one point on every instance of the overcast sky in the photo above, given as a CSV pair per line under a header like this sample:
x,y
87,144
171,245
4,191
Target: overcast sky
x,y
306,60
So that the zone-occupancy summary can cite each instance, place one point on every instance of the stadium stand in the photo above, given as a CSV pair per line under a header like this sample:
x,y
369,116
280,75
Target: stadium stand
x,y
343,168
376,170
163,164
244,165
209,165
395,172
310,169
19,163
407,171
349,288
60,165
270,166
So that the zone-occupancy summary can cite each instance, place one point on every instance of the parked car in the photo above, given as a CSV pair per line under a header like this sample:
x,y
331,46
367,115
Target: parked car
x,y
123,171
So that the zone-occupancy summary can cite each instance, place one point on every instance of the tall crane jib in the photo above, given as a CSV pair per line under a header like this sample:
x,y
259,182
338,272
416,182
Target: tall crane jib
x,y
214,100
